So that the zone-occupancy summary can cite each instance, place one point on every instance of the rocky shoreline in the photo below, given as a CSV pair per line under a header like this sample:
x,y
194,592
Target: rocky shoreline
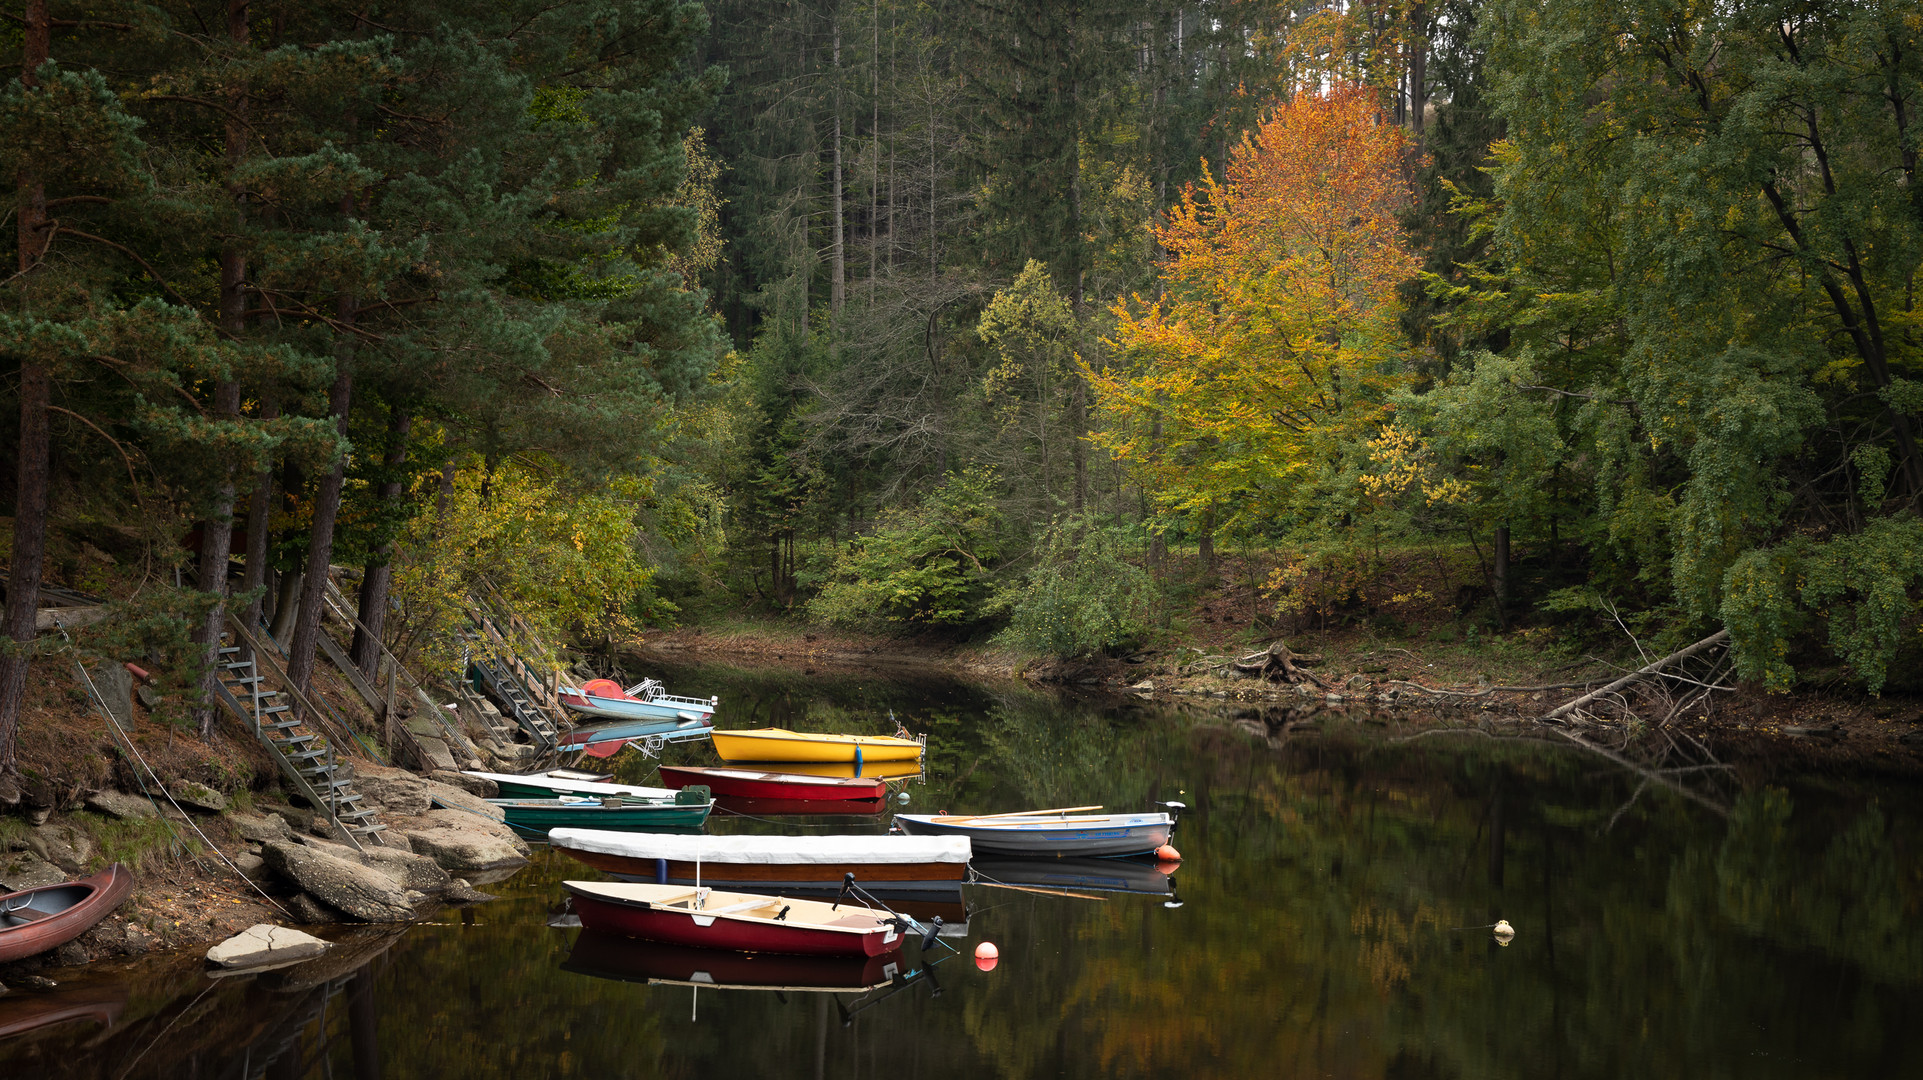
x,y
274,863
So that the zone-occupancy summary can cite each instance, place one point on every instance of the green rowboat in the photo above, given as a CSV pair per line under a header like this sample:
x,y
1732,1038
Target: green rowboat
x,y
686,811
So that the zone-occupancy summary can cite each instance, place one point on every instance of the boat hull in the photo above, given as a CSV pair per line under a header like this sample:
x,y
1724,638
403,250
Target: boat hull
x,y
1109,837
800,807
630,709
752,784
543,787
540,815
813,864
777,745
703,930
52,915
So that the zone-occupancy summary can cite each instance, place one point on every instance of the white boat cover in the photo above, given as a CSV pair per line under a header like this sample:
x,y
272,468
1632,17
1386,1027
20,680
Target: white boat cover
x,y
766,850
578,787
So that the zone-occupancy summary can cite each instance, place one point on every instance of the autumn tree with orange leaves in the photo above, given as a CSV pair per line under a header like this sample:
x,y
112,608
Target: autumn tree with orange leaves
x,y
1249,389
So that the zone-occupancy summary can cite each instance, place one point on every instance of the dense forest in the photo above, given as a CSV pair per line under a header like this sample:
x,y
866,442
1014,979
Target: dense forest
x,y
971,317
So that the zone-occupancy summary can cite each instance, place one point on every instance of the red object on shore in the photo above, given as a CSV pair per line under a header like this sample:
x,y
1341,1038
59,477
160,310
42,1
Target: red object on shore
x,y
794,787
742,922
35,920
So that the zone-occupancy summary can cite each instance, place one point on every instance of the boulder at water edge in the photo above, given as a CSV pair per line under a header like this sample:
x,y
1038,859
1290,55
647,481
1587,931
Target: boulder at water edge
x,y
463,843
393,791
263,944
359,891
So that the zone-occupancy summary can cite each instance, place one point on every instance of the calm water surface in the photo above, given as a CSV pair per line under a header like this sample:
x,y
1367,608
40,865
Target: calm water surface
x,y
1315,929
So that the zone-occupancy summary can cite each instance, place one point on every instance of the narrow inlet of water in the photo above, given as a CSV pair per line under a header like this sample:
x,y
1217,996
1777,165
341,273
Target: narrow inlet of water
x,y
1329,919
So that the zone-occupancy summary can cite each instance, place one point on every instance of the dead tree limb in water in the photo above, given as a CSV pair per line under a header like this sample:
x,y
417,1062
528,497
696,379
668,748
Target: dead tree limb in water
x,y
1720,637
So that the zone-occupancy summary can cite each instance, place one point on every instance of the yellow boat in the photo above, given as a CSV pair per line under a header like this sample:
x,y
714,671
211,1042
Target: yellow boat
x,y
780,744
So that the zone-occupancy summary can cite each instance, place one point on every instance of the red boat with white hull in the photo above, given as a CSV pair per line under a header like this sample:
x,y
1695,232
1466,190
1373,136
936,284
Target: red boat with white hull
x,y
744,922
757,784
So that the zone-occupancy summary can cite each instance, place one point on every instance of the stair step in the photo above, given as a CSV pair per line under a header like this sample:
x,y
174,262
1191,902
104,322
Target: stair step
x,y
271,709
304,755
227,650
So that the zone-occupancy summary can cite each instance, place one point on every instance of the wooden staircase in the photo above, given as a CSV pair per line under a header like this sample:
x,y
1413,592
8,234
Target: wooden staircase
x,y
305,754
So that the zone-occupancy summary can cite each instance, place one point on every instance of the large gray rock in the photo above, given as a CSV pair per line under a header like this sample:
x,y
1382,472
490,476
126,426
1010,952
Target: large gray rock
x,y
62,845
450,797
392,791
116,686
120,804
260,828
463,844
359,891
27,870
199,796
266,944
478,786
410,871
306,910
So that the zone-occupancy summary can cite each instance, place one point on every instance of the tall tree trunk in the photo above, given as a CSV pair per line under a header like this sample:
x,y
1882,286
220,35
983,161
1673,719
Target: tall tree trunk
x,y
217,531
1418,70
838,262
380,570
216,545
327,505
1500,572
36,394
260,508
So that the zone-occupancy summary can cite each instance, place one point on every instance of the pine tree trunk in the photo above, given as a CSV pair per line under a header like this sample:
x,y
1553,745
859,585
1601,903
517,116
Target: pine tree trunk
x,y
260,507
36,394
216,546
327,506
838,265
379,573
217,531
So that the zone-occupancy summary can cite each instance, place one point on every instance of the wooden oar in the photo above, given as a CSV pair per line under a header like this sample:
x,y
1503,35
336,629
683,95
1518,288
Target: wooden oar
x,y
1026,813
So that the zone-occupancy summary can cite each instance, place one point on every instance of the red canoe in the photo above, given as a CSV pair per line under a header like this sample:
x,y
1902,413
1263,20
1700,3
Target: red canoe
x,y
35,920
755,784
744,922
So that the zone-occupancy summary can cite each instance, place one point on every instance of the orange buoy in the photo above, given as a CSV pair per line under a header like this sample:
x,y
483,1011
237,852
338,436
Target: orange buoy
x,y
987,956
1167,853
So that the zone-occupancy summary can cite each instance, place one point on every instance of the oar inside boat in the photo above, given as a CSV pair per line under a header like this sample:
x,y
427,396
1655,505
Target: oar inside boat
x,y
930,932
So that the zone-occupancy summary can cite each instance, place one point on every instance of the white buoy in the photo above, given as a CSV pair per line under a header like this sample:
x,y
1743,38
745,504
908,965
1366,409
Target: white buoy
x,y
1504,931
902,798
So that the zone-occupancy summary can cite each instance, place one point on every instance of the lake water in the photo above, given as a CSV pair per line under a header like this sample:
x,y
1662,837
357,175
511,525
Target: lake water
x,y
1330,920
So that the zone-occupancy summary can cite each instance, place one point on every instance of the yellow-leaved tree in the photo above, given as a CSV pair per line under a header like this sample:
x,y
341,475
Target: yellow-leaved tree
x,y
1250,388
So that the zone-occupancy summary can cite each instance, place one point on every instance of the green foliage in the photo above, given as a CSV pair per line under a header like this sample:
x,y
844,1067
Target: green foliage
x,y
1861,587
1085,595
932,565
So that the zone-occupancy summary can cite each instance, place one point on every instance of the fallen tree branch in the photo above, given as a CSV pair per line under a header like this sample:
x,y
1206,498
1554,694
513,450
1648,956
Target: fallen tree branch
x,y
1720,637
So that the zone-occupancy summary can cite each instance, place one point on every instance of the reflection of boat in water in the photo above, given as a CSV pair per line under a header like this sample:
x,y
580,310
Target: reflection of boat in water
x,y
799,807
21,1013
774,863
754,783
885,770
610,956
1082,875
1065,835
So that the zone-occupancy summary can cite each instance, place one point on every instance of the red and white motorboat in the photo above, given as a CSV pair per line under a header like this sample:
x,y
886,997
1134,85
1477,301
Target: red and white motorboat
x,y
757,784
744,922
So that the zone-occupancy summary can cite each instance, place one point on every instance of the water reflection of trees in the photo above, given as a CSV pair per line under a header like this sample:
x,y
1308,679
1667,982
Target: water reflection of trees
x,y
1328,871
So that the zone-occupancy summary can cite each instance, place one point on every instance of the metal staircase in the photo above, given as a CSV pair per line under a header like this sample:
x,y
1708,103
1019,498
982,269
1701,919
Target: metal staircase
x,y
498,680
307,758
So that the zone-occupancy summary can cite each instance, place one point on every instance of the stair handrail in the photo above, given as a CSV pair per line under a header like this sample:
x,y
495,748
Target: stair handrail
x,y
328,804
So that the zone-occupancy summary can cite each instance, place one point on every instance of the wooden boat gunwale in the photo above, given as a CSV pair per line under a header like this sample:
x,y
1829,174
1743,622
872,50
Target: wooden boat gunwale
x,y
50,929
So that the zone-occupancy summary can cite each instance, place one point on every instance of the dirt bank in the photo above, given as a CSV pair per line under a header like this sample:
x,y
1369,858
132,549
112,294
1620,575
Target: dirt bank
x,y
1422,681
